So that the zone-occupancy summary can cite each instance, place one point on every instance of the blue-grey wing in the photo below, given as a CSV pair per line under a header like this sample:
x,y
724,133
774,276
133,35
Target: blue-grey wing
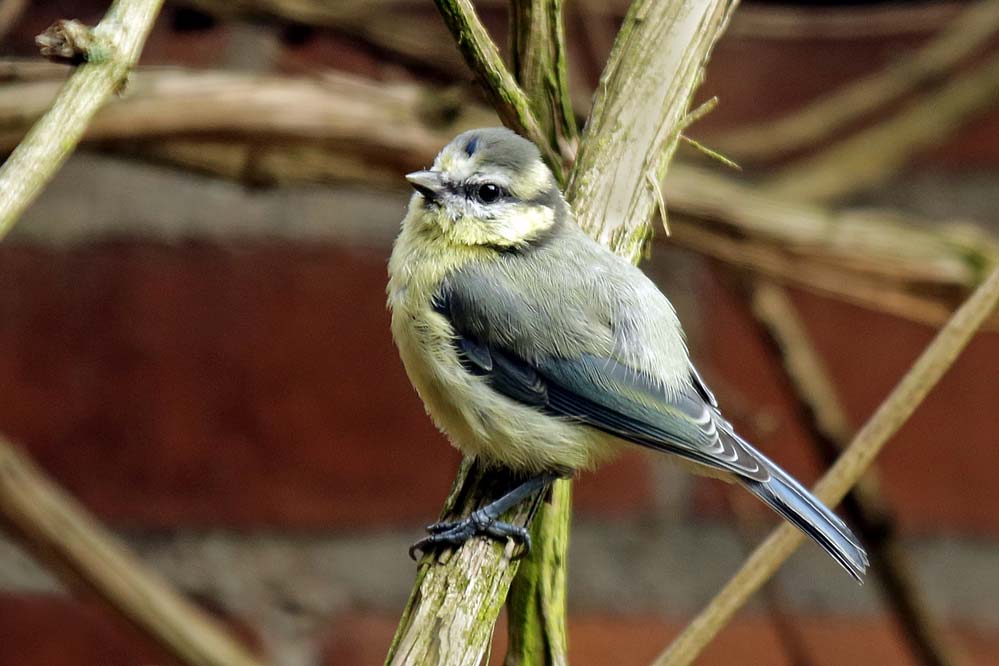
x,y
605,394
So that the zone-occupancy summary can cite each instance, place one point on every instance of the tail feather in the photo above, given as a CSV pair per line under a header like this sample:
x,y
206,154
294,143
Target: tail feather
x,y
802,509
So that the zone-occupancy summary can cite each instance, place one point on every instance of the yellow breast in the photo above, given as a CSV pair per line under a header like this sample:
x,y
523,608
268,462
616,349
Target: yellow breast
x,y
477,419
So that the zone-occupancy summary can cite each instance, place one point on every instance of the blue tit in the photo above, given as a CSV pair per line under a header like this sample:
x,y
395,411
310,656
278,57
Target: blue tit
x,y
536,349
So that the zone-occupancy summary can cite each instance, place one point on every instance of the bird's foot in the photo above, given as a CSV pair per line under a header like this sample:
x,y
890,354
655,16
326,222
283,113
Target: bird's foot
x,y
481,522
485,521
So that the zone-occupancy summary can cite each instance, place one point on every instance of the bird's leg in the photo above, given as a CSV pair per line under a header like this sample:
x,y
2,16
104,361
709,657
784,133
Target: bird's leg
x,y
485,520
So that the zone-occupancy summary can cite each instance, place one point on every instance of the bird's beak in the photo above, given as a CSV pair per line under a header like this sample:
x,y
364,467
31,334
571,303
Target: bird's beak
x,y
427,183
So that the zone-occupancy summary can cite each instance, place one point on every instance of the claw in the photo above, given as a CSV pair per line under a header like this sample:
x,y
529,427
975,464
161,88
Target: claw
x,y
484,521
525,547
458,532
519,535
437,528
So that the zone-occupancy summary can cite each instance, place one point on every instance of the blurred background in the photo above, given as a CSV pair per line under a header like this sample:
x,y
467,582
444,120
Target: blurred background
x,y
194,341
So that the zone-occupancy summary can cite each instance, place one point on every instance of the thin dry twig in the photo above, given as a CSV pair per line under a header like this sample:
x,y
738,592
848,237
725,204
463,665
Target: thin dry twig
x,y
870,157
81,551
961,37
931,365
865,507
789,633
114,48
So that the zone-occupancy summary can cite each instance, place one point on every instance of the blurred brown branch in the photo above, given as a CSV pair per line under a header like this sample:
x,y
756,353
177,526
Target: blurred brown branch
x,y
805,22
316,12
852,165
397,27
864,505
78,549
49,522
880,259
834,172
272,129
806,128
931,365
869,157
338,110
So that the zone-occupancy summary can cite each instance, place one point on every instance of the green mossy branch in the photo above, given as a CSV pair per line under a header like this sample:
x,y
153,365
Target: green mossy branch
x,y
109,52
536,607
539,61
640,106
506,97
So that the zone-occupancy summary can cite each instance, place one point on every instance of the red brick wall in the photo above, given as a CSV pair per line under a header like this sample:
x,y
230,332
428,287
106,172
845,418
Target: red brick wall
x,y
258,386
246,387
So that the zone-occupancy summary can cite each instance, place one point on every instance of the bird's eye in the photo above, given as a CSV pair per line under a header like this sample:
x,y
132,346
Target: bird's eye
x,y
488,192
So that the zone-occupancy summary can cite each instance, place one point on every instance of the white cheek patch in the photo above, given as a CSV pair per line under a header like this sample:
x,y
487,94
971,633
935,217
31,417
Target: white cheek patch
x,y
512,227
520,224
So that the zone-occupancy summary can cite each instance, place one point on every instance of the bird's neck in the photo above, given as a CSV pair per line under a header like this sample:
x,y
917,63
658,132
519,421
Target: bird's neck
x,y
423,256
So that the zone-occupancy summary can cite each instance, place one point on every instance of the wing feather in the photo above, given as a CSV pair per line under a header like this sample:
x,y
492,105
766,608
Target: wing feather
x,y
506,337
604,394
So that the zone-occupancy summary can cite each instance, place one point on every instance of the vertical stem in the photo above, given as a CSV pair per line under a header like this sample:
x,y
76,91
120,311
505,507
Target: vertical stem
x,y
536,607
539,64
639,107
502,90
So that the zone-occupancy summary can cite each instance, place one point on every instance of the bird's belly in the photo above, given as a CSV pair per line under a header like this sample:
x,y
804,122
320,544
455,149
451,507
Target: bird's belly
x,y
479,420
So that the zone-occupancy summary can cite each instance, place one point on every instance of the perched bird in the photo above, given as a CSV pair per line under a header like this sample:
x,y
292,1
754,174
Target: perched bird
x,y
537,349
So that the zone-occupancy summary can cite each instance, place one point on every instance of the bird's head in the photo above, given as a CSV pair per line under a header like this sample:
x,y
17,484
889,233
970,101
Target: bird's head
x,y
488,187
